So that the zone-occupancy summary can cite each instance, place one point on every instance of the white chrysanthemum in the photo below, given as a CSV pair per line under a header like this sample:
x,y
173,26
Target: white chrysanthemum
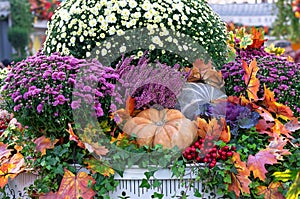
x,y
103,52
102,35
132,3
81,38
146,5
112,30
122,3
73,40
125,12
93,22
151,47
156,40
122,49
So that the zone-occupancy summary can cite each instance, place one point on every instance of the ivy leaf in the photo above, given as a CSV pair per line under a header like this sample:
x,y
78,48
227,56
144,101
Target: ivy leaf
x,y
251,81
271,192
281,111
73,186
43,143
5,170
158,195
240,181
257,163
145,184
99,167
4,152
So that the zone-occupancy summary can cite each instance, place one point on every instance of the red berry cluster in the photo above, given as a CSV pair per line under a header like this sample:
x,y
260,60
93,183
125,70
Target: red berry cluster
x,y
205,151
3,124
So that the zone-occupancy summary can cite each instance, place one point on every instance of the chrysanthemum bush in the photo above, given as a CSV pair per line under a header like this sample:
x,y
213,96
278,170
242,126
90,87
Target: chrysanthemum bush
x,y
39,91
79,27
276,72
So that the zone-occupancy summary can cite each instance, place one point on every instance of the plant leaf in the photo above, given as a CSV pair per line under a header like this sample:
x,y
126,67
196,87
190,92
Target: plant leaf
x,y
258,38
279,129
99,167
206,72
251,81
271,192
271,105
276,147
4,152
293,125
43,143
130,104
257,163
294,191
5,169
18,161
73,186
75,137
240,181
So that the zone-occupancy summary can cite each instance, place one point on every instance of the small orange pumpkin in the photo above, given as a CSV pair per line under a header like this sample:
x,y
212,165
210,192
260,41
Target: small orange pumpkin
x,y
167,127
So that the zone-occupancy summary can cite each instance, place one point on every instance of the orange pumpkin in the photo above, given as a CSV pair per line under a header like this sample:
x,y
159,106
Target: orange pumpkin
x,y
167,127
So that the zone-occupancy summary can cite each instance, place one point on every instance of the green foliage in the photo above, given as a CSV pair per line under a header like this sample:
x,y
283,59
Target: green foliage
x,y
21,15
19,39
286,24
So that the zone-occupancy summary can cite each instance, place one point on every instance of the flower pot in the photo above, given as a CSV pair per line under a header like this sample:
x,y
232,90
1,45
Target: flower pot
x,y
15,187
129,185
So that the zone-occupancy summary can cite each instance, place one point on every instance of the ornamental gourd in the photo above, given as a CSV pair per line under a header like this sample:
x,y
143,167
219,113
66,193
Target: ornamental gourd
x,y
167,127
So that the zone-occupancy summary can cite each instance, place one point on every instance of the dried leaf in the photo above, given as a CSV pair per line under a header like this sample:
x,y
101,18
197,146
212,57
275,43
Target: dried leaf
x,y
43,143
293,125
271,192
4,152
257,163
279,129
18,161
5,170
95,148
276,147
239,182
75,187
258,38
206,73
251,81
130,104
271,105
75,137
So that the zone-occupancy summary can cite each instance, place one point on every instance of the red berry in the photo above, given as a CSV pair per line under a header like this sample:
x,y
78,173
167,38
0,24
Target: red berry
x,y
205,159
233,148
193,150
211,165
197,144
229,153
198,159
214,155
189,157
223,157
225,148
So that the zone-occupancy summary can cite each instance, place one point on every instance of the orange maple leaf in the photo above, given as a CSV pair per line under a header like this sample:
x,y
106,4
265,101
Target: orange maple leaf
x,y
5,170
43,143
213,128
271,105
240,181
257,163
258,38
206,72
251,81
271,192
279,129
293,125
75,137
18,161
130,104
73,186
276,147
4,152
